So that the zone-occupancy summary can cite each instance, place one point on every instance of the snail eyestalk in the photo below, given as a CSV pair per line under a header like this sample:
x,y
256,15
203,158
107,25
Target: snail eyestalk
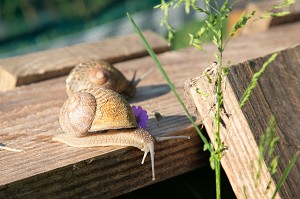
x,y
151,149
134,82
163,138
131,88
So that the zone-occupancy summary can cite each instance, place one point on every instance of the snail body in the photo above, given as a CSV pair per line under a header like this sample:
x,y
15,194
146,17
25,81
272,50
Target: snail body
x,y
101,117
99,74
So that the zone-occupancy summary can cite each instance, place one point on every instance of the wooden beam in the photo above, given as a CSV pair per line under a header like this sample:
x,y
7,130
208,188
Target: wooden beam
x,y
277,93
29,119
38,66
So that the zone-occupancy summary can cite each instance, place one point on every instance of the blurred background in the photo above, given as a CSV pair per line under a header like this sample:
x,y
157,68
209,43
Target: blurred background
x,y
33,25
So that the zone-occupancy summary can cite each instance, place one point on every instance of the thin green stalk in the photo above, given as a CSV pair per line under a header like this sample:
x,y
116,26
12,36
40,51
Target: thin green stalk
x,y
254,80
218,178
218,114
159,66
218,138
285,173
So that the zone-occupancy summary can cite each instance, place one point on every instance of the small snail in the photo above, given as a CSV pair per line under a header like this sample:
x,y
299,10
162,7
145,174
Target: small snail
x,y
100,74
102,117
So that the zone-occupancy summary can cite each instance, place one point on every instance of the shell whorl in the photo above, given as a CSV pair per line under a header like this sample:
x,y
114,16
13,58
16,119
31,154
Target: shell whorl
x,y
112,112
99,74
77,114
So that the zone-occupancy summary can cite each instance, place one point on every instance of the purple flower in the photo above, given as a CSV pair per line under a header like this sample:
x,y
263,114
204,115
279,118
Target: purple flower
x,y
140,115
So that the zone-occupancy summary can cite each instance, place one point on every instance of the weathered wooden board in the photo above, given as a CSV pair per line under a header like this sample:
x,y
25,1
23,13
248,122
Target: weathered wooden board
x,y
29,119
53,168
48,64
278,94
264,24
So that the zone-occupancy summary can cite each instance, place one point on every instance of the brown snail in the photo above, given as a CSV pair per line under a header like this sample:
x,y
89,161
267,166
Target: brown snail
x,y
100,74
102,117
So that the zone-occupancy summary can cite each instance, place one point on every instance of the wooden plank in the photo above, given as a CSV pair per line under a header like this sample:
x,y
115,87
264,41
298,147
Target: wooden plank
x,y
29,119
277,93
63,171
48,64
258,25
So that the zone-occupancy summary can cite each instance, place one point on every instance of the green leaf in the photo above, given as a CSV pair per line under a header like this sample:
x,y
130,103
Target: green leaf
x,y
202,93
285,173
285,3
212,162
215,41
273,165
241,22
225,70
196,8
272,145
280,14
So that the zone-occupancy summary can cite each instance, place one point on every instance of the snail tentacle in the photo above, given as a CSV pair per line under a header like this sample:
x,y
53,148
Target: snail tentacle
x,y
163,138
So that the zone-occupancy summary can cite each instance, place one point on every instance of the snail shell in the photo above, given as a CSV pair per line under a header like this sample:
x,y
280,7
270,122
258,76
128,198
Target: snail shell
x,y
99,74
91,110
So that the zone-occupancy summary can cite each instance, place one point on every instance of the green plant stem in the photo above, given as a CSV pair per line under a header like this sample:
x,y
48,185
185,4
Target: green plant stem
x,y
218,179
285,173
159,66
218,129
218,115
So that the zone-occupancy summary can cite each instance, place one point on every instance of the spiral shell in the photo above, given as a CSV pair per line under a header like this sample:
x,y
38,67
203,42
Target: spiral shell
x,y
98,74
77,114
96,109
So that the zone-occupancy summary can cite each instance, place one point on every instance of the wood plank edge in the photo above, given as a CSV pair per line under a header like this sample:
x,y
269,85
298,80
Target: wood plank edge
x,y
242,148
122,175
11,80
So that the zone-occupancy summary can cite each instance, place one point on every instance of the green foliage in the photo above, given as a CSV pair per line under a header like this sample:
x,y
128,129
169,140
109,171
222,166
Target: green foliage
x,y
244,192
285,173
254,80
204,94
182,37
277,9
213,26
284,4
267,145
241,22
165,8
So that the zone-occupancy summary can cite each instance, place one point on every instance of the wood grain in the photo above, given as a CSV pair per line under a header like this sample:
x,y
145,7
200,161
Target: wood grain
x,y
277,93
48,64
29,119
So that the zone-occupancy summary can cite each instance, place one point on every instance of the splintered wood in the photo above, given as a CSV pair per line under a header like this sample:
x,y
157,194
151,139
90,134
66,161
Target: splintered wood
x,y
34,67
278,94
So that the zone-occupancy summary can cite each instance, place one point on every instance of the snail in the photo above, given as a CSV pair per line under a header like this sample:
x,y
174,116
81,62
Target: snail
x,y
100,74
101,117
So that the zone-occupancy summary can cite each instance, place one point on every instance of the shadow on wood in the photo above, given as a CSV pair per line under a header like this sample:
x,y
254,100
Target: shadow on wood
x,y
151,91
